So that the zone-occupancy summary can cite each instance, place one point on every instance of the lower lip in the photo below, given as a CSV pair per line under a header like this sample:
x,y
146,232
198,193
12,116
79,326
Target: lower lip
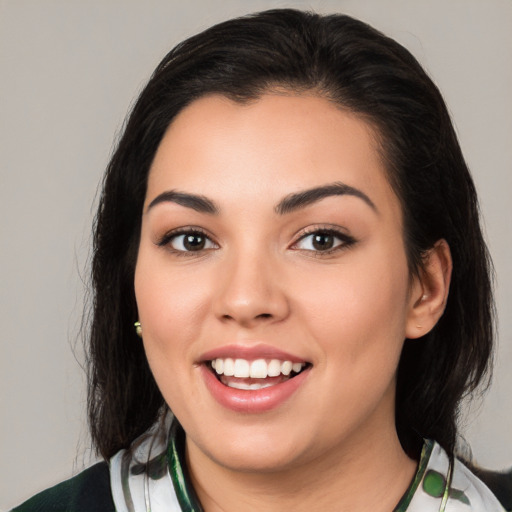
x,y
253,400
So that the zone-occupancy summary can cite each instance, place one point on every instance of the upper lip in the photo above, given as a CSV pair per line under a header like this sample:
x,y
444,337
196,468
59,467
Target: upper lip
x,y
252,352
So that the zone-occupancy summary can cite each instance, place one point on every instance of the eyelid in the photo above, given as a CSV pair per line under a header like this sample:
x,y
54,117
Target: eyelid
x,y
166,239
345,240
335,231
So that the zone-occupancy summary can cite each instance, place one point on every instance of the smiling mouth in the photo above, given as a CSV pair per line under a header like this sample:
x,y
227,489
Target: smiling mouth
x,y
256,374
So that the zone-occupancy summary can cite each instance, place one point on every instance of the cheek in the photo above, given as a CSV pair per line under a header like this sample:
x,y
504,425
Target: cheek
x,y
170,305
169,300
358,309
357,320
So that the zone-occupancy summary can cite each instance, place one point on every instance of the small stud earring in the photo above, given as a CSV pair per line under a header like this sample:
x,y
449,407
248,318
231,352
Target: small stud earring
x,y
138,329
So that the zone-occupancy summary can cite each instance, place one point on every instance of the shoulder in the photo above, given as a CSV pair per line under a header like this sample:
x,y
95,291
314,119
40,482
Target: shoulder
x,y
89,490
499,482
483,494
443,483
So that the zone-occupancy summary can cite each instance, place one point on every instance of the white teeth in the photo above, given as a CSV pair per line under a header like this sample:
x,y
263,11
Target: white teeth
x,y
243,385
296,367
229,367
241,368
274,368
286,367
257,369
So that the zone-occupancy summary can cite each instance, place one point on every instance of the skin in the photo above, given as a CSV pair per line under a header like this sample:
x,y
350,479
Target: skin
x,y
333,444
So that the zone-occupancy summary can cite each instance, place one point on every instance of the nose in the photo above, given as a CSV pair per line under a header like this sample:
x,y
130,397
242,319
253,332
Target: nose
x,y
250,291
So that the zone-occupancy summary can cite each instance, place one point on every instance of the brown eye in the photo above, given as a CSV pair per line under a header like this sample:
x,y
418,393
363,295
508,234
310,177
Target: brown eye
x,y
322,241
192,241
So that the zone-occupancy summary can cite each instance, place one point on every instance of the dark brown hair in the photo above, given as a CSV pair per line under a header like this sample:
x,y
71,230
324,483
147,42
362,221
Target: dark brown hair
x,y
367,73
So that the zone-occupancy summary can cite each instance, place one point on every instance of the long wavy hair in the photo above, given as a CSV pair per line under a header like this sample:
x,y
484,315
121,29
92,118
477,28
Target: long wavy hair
x,y
362,71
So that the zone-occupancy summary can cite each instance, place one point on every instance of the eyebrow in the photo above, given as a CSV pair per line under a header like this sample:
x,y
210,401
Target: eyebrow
x,y
198,203
304,198
290,203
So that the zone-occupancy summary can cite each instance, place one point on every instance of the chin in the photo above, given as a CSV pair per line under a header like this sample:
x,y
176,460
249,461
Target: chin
x,y
253,451
256,461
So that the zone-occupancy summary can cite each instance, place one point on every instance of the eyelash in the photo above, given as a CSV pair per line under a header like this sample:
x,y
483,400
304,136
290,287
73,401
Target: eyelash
x,y
345,240
168,238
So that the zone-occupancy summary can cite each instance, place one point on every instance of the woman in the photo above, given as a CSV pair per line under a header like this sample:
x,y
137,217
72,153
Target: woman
x,y
289,226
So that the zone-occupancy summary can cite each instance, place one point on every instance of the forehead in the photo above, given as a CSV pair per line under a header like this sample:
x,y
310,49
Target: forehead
x,y
269,147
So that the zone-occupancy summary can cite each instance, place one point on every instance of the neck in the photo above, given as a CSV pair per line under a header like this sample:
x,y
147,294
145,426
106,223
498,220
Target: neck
x,y
372,474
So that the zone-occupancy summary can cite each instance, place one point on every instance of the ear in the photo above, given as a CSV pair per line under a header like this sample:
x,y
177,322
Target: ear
x,y
429,291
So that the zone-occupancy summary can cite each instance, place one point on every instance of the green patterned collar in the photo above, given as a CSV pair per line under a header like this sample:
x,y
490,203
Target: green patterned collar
x,y
426,451
178,470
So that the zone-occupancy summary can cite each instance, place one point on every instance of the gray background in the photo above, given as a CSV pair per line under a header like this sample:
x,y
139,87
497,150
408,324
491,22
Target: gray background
x,y
69,71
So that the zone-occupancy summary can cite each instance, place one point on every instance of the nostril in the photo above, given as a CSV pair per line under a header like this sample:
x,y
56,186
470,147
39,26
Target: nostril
x,y
264,315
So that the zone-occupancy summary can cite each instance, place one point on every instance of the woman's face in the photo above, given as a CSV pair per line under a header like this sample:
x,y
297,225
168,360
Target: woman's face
x,y
271,238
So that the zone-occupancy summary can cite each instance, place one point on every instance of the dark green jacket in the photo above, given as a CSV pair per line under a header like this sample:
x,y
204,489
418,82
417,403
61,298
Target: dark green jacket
x,y
89,491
